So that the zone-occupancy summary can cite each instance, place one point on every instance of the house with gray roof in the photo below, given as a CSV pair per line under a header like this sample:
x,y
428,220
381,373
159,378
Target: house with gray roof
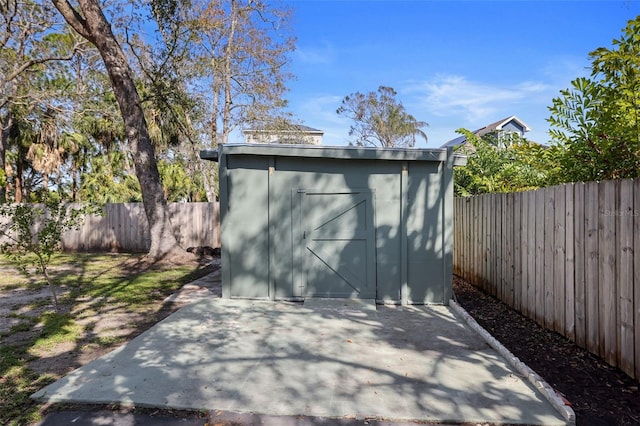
x,y
504,127
294,134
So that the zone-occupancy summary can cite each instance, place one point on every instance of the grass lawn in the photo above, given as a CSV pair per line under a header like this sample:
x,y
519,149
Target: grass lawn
x,y
105,300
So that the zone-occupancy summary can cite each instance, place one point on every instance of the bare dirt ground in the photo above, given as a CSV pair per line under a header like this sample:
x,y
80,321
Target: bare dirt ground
x,y
101,324
106,327
599,394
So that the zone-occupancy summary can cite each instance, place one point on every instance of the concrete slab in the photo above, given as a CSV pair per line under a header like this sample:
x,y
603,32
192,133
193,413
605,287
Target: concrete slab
x,y
350,306
317,359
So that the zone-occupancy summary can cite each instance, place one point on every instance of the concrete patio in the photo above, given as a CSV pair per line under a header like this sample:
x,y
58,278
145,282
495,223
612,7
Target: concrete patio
x,y
327,357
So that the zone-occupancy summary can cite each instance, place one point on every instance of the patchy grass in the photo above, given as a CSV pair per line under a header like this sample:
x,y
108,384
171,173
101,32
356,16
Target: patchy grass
x,y
137,289
105,300
57,329
108,340
22,326
17,382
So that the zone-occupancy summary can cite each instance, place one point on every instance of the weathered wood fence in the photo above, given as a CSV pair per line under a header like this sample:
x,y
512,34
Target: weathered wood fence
x,y
567,256
124,228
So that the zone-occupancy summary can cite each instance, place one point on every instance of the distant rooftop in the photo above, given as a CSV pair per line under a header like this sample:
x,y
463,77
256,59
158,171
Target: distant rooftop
x,y
293,128
499,125
295,133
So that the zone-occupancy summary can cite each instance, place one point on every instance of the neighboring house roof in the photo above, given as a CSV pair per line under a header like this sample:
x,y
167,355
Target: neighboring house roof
x,y
293,129
497,126
297,133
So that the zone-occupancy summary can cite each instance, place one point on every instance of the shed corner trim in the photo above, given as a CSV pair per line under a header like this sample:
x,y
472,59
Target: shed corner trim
x,y
209,154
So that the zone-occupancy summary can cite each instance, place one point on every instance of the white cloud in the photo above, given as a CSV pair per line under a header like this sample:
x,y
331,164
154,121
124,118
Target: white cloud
x,y
319,111
315,55
321,104
473,101
562,69
449,102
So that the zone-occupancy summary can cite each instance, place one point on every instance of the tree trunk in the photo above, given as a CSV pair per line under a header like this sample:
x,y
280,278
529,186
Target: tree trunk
x,y
215,89
92,24
226,114
52,287
17,179
7,122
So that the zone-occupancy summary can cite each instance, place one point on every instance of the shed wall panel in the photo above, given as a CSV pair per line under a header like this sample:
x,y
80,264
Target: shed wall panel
x,y
247,226
270,213
424,234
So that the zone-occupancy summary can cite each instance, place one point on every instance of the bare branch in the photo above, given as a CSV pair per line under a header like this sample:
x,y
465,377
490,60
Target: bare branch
x,y
73,18
38,61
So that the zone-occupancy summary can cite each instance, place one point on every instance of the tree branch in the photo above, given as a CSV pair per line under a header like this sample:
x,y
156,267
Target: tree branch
x,y
28,64
73,18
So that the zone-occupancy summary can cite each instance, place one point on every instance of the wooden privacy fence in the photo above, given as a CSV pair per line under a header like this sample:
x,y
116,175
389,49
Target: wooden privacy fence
x,y
567,256
124,228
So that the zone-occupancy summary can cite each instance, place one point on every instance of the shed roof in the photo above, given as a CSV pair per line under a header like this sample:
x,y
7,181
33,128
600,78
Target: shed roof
x,y
336,152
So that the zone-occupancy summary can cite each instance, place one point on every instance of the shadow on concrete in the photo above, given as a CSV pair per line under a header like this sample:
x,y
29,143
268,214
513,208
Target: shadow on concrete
x,y
283,359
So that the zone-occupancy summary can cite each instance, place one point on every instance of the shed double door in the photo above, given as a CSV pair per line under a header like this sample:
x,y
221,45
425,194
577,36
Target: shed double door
x,y
337,244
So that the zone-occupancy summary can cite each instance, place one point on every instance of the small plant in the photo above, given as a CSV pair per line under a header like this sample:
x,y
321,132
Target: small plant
x,y
33,233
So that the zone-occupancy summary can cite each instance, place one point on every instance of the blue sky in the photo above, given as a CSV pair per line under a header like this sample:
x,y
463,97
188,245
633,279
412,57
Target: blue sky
x,y
453,63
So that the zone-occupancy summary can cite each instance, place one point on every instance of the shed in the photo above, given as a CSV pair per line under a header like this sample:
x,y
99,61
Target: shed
x,y
302,221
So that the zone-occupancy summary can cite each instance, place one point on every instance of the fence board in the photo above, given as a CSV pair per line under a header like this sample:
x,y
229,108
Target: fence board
x,y
580,264
624,272
470,238
488,244
498,245
488,250
607,271
532,253
508,233
549,225
517,250
473,204
465,239
506,246
540,221
482,244
476,246
458,227
486,231
456,231
591,270
461,226
569,263
636,274
503,244
559,260
495,247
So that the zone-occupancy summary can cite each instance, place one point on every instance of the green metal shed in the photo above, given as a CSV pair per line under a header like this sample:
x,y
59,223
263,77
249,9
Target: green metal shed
x,y
302,221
